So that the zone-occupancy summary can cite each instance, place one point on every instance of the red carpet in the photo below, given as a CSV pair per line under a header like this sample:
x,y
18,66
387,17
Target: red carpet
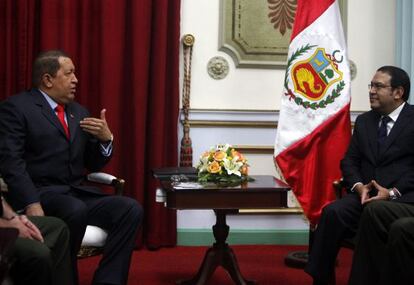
x,y
263,263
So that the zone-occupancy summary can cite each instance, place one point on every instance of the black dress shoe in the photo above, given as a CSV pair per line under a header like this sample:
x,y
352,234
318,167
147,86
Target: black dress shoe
x,y
319,282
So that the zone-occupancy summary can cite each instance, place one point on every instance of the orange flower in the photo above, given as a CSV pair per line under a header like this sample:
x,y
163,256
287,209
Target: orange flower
x,y
235,153
244,170
219,155
214,167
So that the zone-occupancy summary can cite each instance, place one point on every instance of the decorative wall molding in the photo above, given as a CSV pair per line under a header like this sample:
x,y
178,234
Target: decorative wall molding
x,y
234,124
248,35
256,34
239,118
279,211
257,149
218,67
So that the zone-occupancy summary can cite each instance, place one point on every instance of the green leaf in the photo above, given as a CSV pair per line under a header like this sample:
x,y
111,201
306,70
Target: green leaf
x,y
329,73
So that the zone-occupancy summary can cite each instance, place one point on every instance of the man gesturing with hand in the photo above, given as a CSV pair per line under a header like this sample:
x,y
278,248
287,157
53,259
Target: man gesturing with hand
x,y
47,143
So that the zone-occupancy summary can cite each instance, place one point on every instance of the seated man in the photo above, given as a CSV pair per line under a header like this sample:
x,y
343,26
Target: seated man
x,y
384,253
41,252
47,142
379,157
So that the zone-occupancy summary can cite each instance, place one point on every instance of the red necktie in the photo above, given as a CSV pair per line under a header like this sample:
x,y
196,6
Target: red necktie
x,y
60,110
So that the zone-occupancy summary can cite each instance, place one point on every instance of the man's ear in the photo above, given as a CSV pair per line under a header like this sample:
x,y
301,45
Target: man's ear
x,y
398,92
47,80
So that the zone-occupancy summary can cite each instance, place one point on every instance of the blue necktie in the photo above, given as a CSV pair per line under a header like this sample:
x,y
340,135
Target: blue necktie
x,y
382,131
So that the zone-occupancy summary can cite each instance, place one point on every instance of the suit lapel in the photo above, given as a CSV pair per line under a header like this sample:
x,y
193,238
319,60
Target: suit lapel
x,y
403,119
73,120
47,111
372,132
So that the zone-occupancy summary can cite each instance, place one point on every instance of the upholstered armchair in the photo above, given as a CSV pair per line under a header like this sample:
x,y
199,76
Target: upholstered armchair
x,y
95,237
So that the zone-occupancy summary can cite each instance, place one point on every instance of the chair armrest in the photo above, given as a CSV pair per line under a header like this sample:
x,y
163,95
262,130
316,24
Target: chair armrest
x,y
107,179
94,236
339,188
101,177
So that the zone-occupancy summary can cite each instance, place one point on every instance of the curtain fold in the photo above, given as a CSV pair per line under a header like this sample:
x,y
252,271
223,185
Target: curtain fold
x,y
126,55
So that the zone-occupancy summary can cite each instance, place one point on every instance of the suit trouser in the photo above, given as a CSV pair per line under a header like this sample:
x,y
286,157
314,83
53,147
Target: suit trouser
x,y
119,216
339,220
384,252
43,263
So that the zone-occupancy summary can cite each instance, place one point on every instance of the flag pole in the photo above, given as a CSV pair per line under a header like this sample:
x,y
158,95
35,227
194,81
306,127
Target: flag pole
x,y
299,258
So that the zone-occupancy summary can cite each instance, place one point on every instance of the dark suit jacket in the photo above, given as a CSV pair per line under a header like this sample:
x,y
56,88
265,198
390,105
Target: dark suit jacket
x,y
35,154
393,164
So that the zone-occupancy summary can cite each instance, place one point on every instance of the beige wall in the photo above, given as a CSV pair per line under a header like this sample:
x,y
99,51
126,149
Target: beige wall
x,y
370,25
371,43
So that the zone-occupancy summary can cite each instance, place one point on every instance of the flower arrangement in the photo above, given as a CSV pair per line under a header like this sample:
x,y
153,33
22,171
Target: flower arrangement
x,y
223,164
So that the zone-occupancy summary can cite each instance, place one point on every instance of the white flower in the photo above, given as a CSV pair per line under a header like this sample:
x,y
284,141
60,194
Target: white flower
x,y
232,166
203,164
223,147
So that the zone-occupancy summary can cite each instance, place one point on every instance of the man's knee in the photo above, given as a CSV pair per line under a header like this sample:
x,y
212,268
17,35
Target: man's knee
x,y
374,210
133,209
33,263
401,229
374,207
76,215
332,211
52,223
70,209
33,254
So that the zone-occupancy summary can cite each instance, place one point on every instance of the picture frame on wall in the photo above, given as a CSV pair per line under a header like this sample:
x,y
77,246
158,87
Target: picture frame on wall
x,y
256,34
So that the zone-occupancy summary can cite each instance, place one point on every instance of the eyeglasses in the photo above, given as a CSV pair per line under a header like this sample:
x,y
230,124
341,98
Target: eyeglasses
x,y
377,86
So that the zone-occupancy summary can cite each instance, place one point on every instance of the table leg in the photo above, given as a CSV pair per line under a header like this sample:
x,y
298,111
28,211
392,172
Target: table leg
x,y
220,254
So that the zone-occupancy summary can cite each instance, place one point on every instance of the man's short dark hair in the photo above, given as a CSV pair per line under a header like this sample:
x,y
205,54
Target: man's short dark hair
x,y
46,62
399,78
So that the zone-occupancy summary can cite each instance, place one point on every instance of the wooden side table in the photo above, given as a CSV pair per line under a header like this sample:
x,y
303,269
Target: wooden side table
x,y
264,192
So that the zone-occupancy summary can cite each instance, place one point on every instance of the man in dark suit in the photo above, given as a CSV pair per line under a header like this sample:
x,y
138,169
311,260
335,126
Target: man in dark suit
x,y
47,140
378,165
384,253
40,255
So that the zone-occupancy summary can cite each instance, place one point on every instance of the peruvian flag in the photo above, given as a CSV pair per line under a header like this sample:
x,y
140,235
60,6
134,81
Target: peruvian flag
x,y
314,126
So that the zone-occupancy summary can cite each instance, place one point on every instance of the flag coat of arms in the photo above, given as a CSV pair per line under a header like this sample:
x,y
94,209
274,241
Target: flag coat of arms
x,y
314,126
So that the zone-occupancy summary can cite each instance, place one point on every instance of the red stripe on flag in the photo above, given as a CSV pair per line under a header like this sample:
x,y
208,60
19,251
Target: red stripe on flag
x,y
312,164
307,12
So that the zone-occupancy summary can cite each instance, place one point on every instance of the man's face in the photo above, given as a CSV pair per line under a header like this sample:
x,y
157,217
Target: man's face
x,y
63,85
382,97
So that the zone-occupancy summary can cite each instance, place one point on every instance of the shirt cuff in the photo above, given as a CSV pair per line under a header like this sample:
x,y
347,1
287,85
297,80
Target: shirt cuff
x,y
106,148
353,187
